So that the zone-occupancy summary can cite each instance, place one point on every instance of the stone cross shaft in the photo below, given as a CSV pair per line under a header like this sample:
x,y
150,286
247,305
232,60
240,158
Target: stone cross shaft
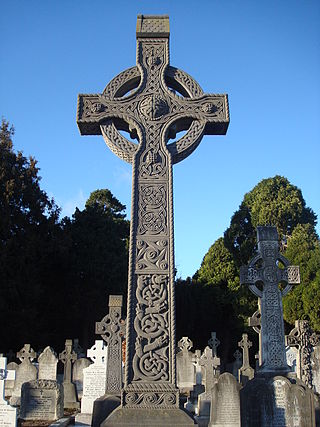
x,y
304,340
269,275
5,374
245,344
68,357
112,330
152,101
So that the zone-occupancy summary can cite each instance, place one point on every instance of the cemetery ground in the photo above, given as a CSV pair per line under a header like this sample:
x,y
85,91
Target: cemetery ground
x,y
149,367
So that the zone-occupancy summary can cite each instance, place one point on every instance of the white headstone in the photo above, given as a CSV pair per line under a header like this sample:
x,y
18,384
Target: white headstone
x,y
26,371
77,374
9,384
94,377
186,372
8,414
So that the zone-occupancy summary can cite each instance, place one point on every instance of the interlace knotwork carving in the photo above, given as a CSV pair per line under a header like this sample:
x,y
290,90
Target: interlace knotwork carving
x,y
272,329
152,255
150,361
152,209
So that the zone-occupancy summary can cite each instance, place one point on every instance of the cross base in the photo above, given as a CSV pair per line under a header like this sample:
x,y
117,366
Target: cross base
x,y
125,417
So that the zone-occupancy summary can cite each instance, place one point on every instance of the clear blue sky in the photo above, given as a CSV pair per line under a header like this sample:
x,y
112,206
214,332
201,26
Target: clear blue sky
x,y
264,54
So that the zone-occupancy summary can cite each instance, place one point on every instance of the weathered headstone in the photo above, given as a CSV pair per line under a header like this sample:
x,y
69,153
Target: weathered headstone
x,y
8,414
276,402
41,400
236,365
192,401
149,112
210,363
272,328
246,373
25,372
77,374
47,365
186,370
9,384
68,357
304,340
225,402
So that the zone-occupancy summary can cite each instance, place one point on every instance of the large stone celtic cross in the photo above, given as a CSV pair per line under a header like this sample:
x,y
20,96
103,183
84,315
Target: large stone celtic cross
x,y
152,101
269,275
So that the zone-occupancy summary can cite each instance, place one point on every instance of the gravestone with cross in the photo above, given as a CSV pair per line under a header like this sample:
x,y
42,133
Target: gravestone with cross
x,y
269,275
112,330
68,357
304,339
8,414
26,371
152,101
186,370
246,373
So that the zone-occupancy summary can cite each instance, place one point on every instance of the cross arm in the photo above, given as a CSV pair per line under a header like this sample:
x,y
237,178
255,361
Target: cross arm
x,y
211,108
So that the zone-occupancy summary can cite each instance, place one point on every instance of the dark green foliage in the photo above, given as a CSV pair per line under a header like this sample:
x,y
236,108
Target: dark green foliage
x,y
55,276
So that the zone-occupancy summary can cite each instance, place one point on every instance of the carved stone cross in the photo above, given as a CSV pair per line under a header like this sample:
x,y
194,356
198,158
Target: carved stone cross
x,y
5,374
26,354
68,357
210,366
98,353
246,373
152,101
304,340
269,275
214,343
112,330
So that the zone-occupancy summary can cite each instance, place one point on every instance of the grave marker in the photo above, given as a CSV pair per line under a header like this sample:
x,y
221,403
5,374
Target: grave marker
x,y
68,357
26,371
272,329
8,414
186,370
48,364
153,113
246,373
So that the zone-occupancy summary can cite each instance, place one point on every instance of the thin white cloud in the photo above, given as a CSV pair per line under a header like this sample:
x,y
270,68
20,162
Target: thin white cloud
x,y
69,206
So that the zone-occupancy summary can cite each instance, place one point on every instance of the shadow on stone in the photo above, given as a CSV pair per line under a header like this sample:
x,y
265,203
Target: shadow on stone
x,y
103,407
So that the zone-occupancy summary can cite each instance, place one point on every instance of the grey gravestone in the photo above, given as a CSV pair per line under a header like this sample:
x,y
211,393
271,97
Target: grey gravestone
x,y
78,349
9,384
41,400
273,352
192,403
211,369
26,371
8,414
246,373
304,340
276,401
47,365
225,402
77,374
186,370
68,357
149,112
236,365
112,330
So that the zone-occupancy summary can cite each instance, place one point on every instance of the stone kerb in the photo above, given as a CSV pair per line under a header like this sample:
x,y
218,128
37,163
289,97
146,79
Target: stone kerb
x,y
41,400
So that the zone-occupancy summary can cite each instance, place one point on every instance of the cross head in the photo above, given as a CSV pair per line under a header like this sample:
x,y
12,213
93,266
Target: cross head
x,y
26,354
98,352
214,343
152,101
269,275
185,344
